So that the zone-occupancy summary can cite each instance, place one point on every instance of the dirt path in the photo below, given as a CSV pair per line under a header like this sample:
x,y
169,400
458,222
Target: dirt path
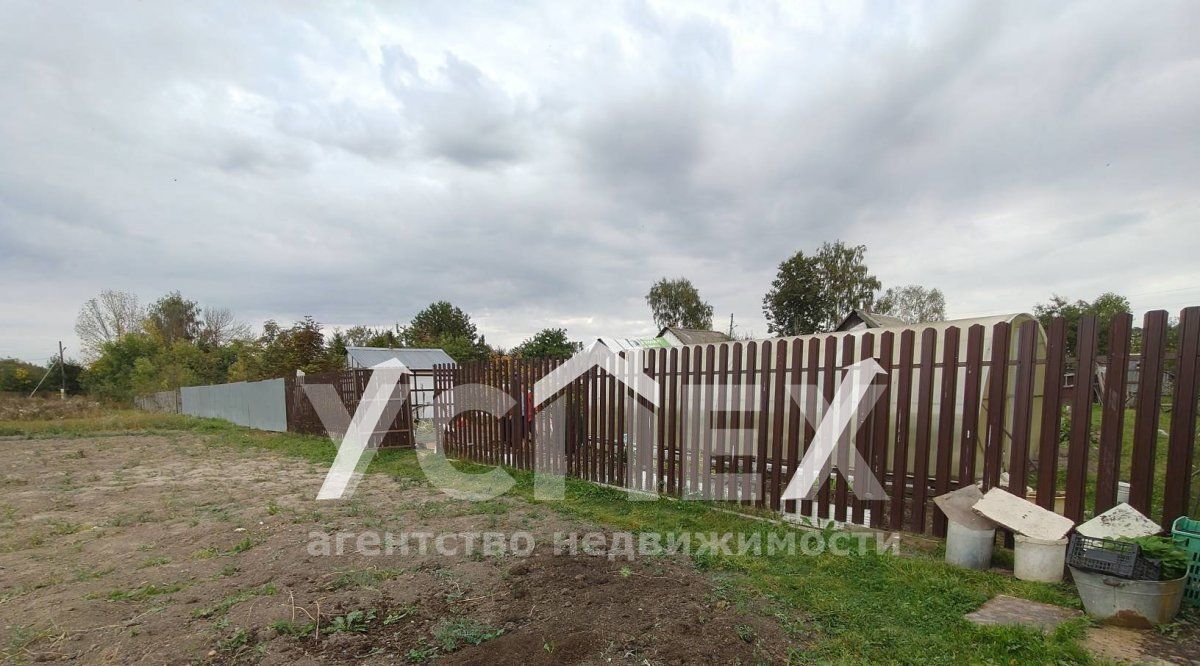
x,y
176,550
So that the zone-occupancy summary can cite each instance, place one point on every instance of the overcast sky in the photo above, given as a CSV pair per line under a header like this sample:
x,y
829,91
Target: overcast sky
x,y
541,164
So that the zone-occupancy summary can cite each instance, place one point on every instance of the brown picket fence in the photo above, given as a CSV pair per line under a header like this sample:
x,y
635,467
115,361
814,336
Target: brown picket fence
x,y
1004,405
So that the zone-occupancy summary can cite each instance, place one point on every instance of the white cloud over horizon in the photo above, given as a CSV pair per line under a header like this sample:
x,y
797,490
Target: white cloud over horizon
x,y
542,164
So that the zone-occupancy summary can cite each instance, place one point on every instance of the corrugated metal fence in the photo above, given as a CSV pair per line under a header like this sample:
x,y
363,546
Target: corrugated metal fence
x,y
261,405
284,405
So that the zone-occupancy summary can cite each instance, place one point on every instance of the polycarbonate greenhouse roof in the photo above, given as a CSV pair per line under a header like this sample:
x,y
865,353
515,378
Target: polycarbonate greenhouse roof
x,y
413,359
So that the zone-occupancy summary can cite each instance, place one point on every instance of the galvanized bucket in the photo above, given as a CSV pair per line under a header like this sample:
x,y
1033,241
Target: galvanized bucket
x,y
1140,604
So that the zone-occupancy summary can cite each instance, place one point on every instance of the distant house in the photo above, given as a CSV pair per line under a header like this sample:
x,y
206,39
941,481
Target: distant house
x,y
676,337
859,320
419,362
669,336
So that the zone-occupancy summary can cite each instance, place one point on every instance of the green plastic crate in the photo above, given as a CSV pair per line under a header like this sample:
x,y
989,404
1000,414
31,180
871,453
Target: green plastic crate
x,y
1186,533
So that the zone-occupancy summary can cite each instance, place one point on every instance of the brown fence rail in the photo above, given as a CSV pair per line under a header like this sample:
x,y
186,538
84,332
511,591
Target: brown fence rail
x,y
985,404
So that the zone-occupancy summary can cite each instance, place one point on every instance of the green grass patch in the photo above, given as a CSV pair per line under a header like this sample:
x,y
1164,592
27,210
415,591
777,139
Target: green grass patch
x,y
360,578
115,422
153,562
354,622
293,629
234,642
450,635
144,592
242,546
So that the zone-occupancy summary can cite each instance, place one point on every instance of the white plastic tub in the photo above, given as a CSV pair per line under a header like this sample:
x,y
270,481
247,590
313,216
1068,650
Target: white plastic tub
x,y
1039,559
969,548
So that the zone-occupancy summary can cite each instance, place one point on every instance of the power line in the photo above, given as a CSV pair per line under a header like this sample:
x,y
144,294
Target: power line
x,y
1164,291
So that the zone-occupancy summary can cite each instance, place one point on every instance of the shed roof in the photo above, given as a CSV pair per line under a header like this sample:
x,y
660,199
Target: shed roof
x,y
413,359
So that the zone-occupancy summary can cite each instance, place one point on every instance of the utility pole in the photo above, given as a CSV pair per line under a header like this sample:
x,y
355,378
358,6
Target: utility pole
x,y
730,325
62,366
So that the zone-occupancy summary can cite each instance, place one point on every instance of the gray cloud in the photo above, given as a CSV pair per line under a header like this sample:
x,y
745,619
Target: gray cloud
x,y
462,115
541,165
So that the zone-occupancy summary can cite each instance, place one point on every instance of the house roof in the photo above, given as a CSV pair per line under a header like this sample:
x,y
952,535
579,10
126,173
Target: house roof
x,y
413,359
871,319
695,336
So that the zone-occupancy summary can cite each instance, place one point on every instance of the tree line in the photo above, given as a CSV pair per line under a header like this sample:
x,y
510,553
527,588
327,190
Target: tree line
x,y
129,349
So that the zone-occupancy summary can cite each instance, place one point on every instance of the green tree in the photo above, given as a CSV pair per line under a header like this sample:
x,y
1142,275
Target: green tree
x,y
811,293
912,303
111,375
170,367
300,347
335,350
438,320
248,363
173,318
364,336
443,326
677,303
18,376
548,343
1104,308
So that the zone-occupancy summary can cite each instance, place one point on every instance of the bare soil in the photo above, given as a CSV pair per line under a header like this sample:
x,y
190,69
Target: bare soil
x,y
175,549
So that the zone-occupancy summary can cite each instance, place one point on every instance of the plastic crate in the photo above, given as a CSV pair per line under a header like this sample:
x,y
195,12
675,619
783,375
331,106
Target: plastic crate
x,y
1122,559
1186,533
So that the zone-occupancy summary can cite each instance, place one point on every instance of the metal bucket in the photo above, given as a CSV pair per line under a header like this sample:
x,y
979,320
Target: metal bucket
x,y
1140,604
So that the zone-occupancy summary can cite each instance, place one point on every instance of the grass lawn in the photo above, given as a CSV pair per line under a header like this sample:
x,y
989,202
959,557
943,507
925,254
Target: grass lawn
x,y
872,608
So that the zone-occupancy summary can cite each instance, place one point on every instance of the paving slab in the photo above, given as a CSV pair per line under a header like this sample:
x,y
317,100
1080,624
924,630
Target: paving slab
x,y
1120,521
1022,516
1005,610
957,507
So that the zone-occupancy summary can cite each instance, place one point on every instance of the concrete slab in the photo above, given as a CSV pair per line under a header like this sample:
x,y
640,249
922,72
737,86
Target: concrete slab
x,y
957,505
1022,516
1006,610
1120,521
